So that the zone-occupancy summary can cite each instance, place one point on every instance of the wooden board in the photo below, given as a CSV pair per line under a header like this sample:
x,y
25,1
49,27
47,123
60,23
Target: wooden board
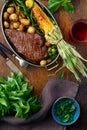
x,y
39,76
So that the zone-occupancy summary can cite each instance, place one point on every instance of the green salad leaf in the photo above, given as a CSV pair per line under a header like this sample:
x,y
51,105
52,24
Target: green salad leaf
x,y
53,5
16,98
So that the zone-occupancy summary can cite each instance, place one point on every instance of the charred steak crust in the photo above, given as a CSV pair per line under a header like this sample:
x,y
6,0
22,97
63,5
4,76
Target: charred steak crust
x,y
30,46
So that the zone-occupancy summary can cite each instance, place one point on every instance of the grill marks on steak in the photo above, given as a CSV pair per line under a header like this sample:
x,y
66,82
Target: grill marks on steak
x,y
30,46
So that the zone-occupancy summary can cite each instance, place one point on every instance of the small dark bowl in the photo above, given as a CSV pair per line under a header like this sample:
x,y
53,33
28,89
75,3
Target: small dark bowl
x,y
76,115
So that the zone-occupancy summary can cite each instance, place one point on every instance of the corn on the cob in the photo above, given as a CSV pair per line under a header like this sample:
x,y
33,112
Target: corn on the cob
x,y
42,20
72,59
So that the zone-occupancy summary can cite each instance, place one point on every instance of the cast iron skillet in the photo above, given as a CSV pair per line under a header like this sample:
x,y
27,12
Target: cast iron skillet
x,y
11,45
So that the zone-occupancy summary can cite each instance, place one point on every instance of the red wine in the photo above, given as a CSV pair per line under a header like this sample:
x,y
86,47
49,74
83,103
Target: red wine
x,y
79,30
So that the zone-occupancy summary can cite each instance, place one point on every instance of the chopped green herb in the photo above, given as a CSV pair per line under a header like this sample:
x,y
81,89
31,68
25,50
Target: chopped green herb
x,y
65,110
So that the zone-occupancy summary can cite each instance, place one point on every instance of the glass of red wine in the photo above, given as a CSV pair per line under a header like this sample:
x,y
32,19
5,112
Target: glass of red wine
x,y
79,30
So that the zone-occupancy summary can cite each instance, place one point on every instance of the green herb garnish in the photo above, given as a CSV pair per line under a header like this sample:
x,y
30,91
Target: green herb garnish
x,y
62,76
54,5
65,110
16,98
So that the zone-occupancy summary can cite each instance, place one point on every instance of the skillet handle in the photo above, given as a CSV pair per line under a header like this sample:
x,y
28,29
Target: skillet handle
x,y
3,55
22,63
3,47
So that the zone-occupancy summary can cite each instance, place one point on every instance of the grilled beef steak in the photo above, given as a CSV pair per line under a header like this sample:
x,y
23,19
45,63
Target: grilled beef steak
x,y
30,46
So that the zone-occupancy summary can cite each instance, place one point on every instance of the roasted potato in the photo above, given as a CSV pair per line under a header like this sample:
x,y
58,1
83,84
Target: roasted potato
x,y
11,25
49,60
16,25
13,17
25,22
21,27
43,63
6,15
31,29
47,44
10,10
11,5
17,10
6,24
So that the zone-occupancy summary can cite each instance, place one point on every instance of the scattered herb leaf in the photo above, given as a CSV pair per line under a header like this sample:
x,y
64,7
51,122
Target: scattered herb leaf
x,y
62,76
53,5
